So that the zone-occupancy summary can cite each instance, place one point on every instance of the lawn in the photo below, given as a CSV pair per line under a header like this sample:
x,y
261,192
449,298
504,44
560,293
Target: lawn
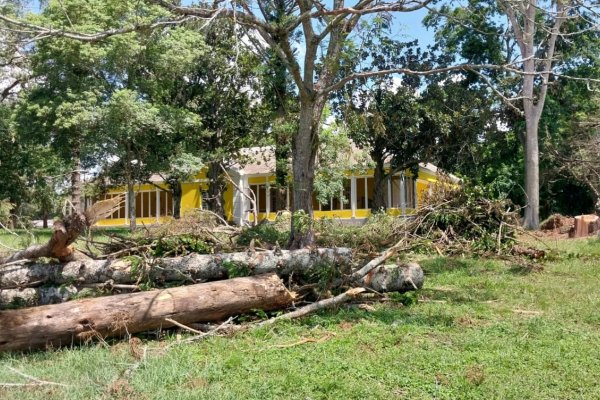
x,y
482,329
20,238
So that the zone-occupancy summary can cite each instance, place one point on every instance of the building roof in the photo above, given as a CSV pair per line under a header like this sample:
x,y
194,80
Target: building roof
x,y
261,161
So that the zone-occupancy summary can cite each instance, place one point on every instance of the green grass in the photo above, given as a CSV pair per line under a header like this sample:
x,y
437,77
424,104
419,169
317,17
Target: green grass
x,y
481,330
22,238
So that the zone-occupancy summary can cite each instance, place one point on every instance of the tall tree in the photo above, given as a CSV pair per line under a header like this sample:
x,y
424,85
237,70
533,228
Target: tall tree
x,y
323,30
526,44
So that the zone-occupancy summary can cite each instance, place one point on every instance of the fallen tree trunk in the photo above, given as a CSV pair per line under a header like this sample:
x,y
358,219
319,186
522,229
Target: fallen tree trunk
x,y
21,285
388,278
83,320
64,234
191,268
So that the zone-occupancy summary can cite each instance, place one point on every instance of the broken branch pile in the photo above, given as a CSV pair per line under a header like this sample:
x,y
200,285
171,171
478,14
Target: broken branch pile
x,y
464,220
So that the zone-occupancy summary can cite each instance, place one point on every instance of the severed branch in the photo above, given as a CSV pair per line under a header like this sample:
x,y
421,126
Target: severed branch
x,y
65,233
319,305
34,381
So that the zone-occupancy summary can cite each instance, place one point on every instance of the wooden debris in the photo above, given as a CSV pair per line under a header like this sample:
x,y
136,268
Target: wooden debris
x,y
82,320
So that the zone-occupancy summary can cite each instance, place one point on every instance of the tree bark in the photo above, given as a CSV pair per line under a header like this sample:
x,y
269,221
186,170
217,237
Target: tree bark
x,y
76,177
305,144
532,173
191,268
83,320
177,191
131,206
45,219
216,188
379,200
282,154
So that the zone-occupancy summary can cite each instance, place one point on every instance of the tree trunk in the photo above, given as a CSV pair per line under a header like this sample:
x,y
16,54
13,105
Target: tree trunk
x,y
190,268
305,144
282,154
177,191
83,320
532,175
76,177
45,219
131,205
65,233
216,188
40,284
59,245
379,190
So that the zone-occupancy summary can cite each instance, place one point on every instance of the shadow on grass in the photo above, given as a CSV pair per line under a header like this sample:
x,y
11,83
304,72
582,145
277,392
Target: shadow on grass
x,y
391,314
442,265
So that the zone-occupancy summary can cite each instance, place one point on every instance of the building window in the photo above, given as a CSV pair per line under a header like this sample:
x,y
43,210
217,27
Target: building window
x,y
365,187
166,203
260,196
409,192
204,200
145,204
273,199
409,184
340,202
395,197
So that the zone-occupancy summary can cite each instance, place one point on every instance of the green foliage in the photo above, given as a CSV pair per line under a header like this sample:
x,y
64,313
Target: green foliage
x,y
324,275
335,158
5,209
407,298
136,266
178,245
469,216
236,270
266,232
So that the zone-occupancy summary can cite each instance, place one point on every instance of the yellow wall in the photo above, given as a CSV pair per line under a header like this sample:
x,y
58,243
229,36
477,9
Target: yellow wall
x,y
191,199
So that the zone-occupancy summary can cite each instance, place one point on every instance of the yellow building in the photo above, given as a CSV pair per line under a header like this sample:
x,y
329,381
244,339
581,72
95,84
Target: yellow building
x,y
155,205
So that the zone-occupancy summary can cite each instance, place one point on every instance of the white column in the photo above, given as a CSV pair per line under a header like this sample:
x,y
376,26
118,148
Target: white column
x,y
157,204
268,195
353,195
389,192
287,197
127,207
366,193
402,194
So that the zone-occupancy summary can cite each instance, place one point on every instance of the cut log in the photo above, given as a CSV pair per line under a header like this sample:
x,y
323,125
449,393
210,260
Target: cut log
x,y
191,268
395,278
83,320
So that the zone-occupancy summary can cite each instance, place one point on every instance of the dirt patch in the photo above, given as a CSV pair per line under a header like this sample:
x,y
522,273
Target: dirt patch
x,y
121,389
475,374
346,326
196,383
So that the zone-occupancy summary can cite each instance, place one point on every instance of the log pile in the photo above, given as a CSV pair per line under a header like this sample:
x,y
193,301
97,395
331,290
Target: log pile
x,y
209,287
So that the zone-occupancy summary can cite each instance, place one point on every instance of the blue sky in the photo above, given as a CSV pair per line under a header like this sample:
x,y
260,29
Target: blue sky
x,y
410,26
406,26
